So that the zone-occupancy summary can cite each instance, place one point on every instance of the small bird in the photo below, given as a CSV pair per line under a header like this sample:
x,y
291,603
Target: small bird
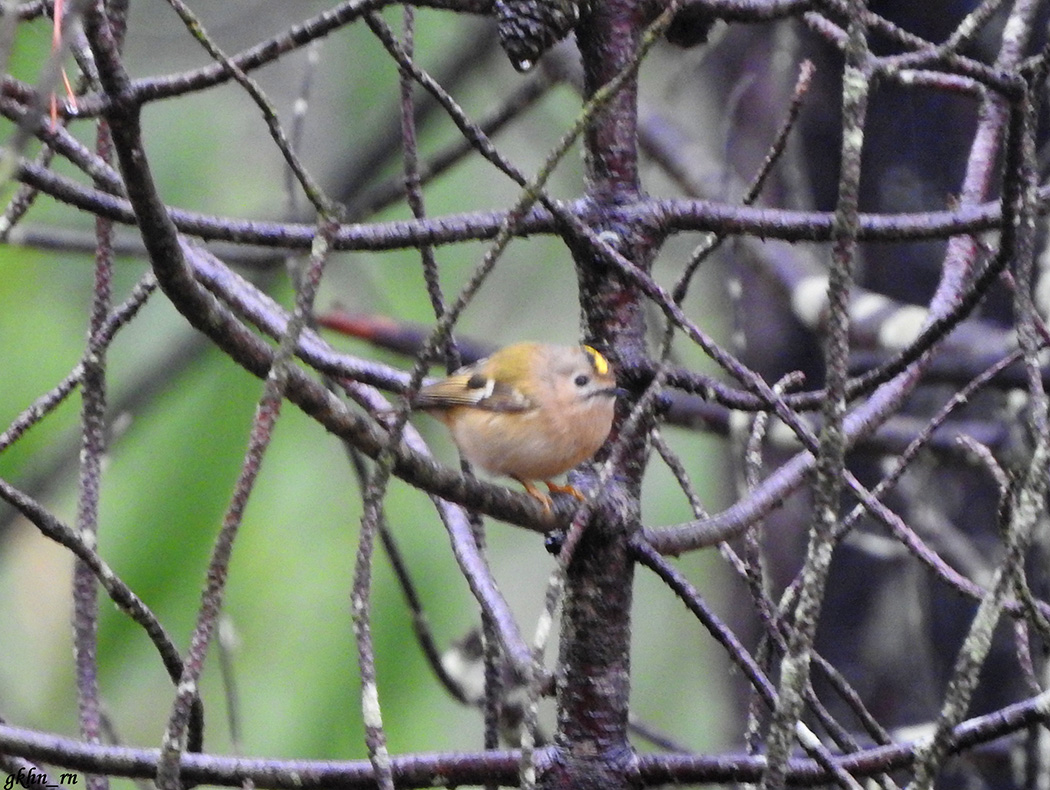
x,y
530,411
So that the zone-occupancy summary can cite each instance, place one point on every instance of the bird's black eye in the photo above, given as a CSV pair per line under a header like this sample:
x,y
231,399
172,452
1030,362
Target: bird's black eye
x,y
582,380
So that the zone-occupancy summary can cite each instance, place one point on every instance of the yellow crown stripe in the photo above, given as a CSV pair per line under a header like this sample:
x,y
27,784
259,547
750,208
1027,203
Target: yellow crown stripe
x,y
601,364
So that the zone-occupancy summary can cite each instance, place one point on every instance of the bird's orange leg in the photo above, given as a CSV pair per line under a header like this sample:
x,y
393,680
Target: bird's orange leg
x,y
557,489
534,492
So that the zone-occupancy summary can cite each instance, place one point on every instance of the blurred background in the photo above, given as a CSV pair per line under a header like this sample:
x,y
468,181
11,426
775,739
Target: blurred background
x,y
180,411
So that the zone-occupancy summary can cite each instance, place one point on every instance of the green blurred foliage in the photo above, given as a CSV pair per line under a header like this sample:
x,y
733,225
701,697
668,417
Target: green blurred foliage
x,y
180,435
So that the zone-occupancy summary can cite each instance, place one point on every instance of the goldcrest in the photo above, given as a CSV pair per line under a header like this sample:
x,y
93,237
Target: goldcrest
x,y
530,411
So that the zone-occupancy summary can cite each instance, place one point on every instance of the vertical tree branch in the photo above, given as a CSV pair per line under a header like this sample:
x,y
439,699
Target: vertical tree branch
x,y
594,658
831,452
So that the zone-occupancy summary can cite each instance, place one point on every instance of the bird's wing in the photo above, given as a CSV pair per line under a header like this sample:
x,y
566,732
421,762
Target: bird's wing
x,y
471,388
